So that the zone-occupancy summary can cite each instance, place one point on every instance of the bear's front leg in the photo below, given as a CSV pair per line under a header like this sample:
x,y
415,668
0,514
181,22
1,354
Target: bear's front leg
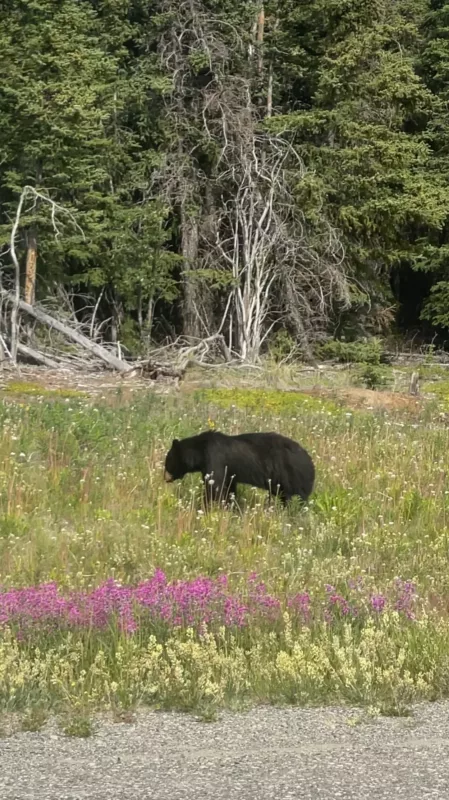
x,y
219,488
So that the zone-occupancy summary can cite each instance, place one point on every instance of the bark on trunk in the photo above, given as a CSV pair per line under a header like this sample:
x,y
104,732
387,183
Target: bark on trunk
x,y
30,269
260,38
270,92
149,319
192,289
296,320
35,355
139,309
118,316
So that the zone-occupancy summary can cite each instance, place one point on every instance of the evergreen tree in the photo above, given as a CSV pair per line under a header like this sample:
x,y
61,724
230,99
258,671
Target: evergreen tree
x,y
132,115
77,125
360,112
434,67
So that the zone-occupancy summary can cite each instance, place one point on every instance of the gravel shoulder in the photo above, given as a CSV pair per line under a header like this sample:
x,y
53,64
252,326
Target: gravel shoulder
x,y
265,754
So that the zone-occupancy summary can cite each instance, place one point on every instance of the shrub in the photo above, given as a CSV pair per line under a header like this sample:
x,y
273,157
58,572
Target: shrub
x,y
372,376
282,346
367,352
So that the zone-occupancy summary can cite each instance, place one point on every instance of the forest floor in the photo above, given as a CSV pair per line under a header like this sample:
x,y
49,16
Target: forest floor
x,y
327,381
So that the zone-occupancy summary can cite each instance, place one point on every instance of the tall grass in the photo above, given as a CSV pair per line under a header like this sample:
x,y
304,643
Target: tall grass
x,y
82,500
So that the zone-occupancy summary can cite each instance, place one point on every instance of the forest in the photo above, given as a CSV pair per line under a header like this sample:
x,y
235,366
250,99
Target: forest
x,y
262,173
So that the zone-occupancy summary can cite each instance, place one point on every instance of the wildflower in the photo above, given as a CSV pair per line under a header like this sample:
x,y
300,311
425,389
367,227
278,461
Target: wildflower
x,y
378,602
201,601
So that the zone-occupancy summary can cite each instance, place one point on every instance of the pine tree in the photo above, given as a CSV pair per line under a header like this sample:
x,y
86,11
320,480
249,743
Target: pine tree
x,y
434,68
361,109
76,116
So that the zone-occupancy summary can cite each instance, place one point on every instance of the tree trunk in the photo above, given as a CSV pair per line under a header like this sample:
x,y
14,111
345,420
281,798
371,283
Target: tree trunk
x,y
192,288
260,38
118,315
35,355
206,231
296,321
270,91
149,319
139,309
30,269
270,79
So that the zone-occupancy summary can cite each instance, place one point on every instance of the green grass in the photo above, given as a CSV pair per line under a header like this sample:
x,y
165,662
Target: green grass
x,y
79,726
25,388
82,499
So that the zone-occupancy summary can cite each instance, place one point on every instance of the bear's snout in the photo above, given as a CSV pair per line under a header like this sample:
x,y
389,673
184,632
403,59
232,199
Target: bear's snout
x,y
168,478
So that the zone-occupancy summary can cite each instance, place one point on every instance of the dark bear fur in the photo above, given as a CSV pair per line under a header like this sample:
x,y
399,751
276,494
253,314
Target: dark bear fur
x,y
265,460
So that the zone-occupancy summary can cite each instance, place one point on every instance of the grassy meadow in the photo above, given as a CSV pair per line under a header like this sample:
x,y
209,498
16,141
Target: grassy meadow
x,y
117,590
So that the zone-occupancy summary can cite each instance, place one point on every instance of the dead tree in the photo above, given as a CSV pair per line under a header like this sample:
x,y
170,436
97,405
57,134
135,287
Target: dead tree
x,y
71,333
196,49
249,235
262,240
69,328
30,268
29,193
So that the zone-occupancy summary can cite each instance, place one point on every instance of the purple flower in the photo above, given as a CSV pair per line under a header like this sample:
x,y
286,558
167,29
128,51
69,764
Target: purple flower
x,y
378,602
199,602
300,604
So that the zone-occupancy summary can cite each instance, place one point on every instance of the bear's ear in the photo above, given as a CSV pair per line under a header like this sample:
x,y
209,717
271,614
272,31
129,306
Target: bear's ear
x,y
175,442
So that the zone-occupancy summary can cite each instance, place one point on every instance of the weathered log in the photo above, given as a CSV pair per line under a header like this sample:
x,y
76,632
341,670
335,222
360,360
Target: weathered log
x,y
36,356
92,347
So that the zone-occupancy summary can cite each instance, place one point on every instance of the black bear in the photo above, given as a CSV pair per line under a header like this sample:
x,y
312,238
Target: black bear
x,y
265,460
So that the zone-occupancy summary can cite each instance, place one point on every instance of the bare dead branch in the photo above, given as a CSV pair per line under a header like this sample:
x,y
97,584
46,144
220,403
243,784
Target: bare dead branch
x,y
253,235
27,192
51,322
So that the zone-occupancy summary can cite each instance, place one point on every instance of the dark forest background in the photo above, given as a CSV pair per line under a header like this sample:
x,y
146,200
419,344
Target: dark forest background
x,y
262,171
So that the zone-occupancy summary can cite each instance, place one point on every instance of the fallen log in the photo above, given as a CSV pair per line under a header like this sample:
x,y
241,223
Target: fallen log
x,y
92,347
154,370
36,356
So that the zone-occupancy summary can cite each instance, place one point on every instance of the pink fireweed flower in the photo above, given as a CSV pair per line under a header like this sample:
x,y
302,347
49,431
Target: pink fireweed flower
x,y
378,602
200,602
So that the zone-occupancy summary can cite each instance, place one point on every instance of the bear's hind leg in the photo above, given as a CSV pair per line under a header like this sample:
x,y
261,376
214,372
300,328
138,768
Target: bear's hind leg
x,y
231,495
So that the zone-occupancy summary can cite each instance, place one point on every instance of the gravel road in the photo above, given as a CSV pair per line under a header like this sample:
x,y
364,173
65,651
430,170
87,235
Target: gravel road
x,y
266,754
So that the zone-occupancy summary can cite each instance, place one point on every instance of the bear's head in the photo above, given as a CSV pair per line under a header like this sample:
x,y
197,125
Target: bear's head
x,y
175,468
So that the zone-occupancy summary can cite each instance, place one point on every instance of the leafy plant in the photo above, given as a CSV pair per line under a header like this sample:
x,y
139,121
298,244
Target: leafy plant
x,y
372,376
369,351
282,345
